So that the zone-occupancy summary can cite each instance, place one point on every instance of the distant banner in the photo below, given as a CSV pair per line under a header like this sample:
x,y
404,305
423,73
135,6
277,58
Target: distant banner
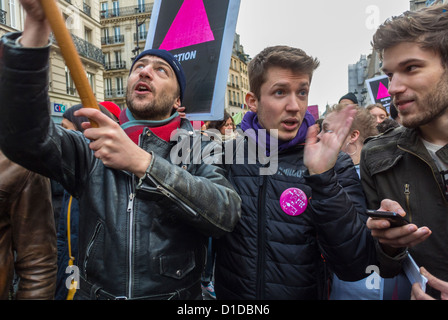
x,y
378,91
200,33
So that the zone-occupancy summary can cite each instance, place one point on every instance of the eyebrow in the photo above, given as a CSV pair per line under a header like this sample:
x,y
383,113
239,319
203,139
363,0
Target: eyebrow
x,y
156,60
284,84
405,62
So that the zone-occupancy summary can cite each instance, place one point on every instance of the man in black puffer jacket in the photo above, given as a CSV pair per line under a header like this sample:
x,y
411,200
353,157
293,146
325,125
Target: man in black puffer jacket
x,y
272,254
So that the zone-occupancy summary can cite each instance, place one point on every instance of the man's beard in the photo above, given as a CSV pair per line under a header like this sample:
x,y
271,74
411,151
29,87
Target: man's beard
x,y
435,102
157,109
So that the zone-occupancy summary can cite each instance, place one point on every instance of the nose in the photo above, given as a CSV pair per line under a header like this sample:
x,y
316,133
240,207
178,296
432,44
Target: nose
x,y
319,135
396,85
293,104
146,71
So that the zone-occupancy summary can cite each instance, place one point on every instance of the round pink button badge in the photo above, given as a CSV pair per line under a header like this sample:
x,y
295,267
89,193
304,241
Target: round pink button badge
x,y
293,201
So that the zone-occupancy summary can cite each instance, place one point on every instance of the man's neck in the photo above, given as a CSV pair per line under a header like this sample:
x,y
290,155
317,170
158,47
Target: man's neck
x,y
436,132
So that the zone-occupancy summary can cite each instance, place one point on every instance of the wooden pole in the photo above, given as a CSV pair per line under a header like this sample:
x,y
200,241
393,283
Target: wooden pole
x,y
70,54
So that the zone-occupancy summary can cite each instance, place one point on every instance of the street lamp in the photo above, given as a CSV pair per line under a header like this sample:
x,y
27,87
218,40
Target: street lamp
x,y
137,25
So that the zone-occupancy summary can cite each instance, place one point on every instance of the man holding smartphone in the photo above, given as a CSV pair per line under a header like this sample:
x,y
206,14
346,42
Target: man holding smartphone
x,y
407,166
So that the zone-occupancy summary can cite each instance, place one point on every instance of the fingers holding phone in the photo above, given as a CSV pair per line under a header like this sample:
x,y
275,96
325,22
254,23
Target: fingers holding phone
x,y
390,226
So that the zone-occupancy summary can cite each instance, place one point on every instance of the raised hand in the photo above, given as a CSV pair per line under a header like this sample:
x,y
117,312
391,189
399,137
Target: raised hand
x,y
112,145
320,155
36,29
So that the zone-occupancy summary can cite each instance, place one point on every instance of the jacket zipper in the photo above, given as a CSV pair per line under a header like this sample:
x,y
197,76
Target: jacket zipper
x,y
407,194
89,247
407,191
172,196
130,211
261,258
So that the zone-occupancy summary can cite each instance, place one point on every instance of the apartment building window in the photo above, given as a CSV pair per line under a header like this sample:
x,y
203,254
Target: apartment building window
x,y
91,78
120,89
87,7
142,32
12,13
69,84
115,8
141,5
104,10
88,35
108,87
118,60
117,34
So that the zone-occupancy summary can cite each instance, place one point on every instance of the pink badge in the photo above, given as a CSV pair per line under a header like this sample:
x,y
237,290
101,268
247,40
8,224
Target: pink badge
x,y
293,201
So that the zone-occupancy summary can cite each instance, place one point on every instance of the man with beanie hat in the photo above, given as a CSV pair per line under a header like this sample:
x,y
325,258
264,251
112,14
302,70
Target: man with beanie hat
x,y
144,217
349,98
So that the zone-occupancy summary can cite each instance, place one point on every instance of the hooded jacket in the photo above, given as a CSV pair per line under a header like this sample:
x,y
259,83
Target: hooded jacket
x,y
138,238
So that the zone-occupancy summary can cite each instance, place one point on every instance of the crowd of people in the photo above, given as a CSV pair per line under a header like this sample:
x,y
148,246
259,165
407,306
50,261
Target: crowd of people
x,y
148,227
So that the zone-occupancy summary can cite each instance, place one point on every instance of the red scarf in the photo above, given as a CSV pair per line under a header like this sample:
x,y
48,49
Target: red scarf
x,y
134,128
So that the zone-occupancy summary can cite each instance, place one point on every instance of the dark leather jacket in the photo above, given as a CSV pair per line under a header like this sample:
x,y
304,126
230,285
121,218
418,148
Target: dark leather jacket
x,y
271,255
397,166
139,239
27,233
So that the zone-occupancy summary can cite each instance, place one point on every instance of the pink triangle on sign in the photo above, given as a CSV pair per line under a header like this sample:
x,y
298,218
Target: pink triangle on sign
x,y
382,92
190,27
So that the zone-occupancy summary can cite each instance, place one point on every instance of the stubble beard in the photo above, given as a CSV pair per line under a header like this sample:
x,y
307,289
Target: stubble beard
x,y
436,103
158,108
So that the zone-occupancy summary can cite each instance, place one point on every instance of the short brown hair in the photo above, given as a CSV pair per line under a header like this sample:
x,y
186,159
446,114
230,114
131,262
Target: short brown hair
x,y
428,27
279,56
363,121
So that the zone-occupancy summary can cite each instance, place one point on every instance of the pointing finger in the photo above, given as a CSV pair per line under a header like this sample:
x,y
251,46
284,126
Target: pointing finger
x,y
94,115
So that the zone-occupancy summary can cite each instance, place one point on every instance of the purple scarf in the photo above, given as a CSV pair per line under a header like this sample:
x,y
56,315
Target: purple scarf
x,y
250,121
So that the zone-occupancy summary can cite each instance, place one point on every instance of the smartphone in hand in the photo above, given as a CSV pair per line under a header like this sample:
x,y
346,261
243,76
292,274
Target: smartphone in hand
x,y
394,218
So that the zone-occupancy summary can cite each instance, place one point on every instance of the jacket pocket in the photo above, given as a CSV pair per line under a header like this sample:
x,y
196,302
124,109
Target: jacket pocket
x,y
91,249
177,266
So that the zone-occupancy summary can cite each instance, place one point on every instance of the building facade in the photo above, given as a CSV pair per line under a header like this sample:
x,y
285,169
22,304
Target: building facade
x,y
124,28
417,4
238,80
82,21
108,35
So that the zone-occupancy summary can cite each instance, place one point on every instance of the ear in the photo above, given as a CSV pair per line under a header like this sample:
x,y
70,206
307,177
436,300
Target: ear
x,y
177,103
354,136
252,101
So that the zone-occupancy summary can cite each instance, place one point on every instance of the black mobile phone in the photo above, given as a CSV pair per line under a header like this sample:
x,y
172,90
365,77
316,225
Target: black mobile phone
x,y
394,218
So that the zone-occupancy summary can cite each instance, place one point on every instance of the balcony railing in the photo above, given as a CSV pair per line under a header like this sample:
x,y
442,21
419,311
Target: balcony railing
x,y
141,35
112,39
125,11
87,10
114,93
85,49
117,65
2,16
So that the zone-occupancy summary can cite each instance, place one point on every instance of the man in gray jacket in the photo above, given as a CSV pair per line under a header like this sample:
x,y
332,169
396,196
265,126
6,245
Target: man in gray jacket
x,y
144,222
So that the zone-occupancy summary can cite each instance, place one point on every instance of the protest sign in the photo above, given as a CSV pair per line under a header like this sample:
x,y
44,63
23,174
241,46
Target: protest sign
x,y
200,34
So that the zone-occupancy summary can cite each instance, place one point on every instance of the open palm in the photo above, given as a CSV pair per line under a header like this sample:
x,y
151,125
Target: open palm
x,y
321,155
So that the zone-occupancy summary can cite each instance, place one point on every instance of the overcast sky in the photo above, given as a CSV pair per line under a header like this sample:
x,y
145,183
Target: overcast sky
x,y
337,32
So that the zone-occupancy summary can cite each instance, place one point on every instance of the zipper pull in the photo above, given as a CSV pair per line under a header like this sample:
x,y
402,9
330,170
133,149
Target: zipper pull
x,y
131,201
163,191
406,189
